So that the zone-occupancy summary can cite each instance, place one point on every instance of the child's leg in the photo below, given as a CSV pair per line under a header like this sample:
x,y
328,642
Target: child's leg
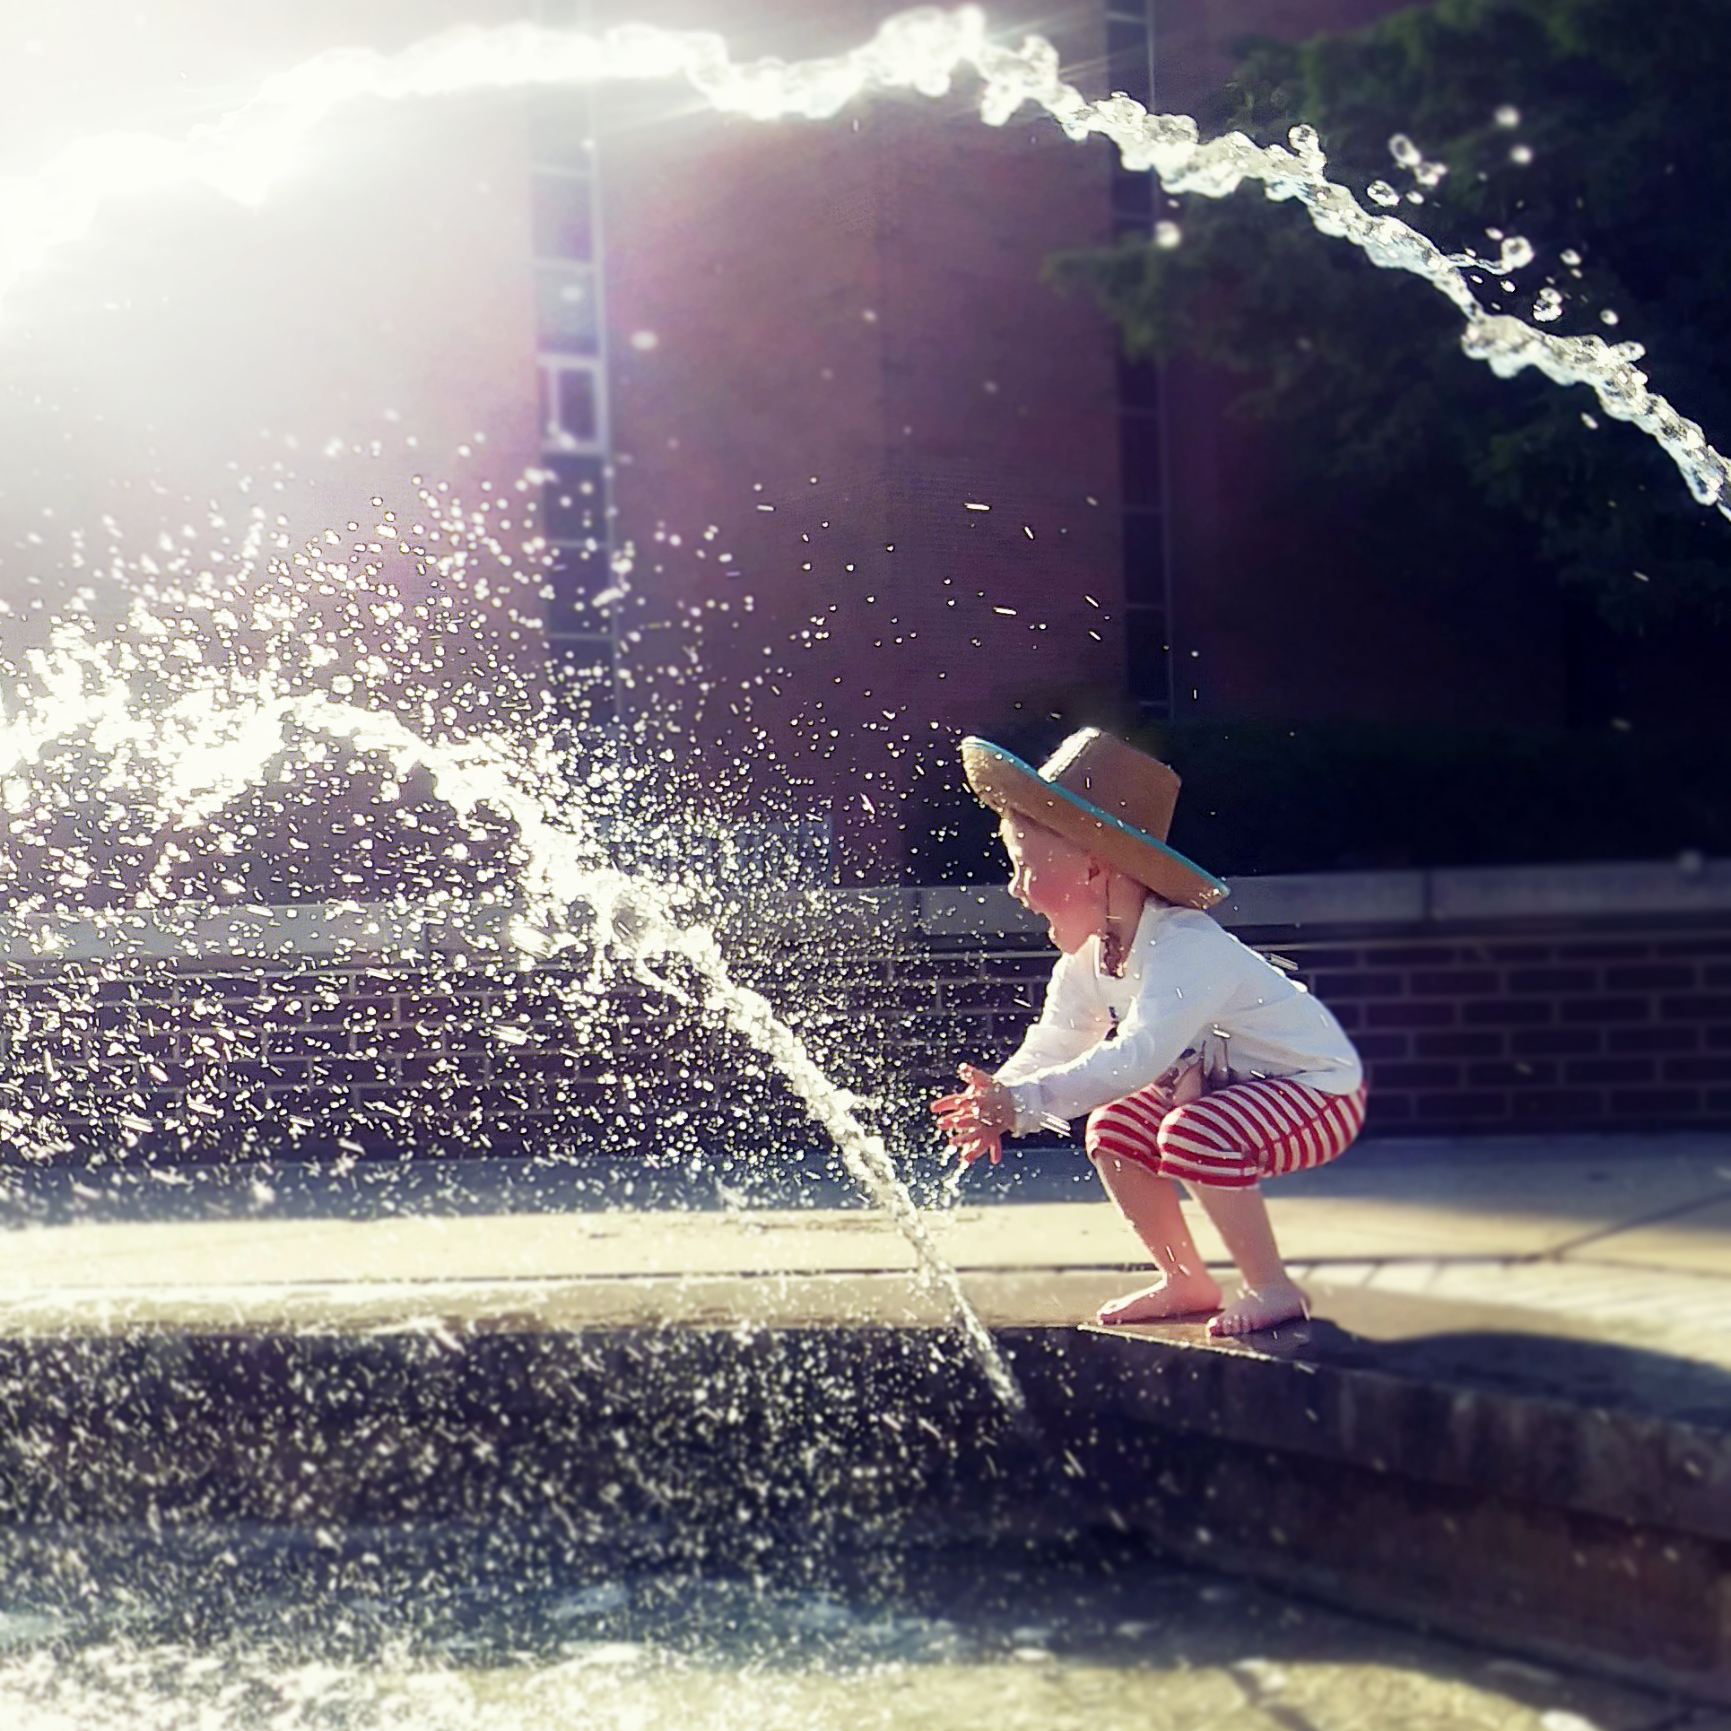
x,y
1223,1145
1121,1142
1270,1296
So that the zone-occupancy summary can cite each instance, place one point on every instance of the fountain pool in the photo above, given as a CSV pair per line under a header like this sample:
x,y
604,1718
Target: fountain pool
x,y
462,1628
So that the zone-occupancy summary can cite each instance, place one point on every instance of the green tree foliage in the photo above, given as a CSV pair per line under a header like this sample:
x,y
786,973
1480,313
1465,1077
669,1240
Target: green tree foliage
x,y
1595,130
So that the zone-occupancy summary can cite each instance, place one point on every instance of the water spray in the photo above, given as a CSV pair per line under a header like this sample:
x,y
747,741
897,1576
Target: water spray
x,y
256,146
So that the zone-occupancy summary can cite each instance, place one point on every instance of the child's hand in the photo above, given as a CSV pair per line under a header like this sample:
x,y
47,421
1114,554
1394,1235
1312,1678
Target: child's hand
x,y
974,1121
1196,1073
1185,1080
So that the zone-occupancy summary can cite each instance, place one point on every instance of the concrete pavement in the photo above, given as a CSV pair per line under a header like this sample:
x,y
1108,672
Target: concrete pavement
x,y
1617,1239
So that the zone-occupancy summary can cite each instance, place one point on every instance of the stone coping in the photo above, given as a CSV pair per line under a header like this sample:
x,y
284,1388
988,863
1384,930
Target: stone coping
x,y
360,932
406,932
1400,898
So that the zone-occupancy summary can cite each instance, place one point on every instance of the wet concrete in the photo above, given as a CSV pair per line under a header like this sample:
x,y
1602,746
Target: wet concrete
x,y
1507,1419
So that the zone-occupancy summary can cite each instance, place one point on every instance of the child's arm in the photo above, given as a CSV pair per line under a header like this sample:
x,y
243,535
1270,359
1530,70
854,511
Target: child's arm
x,y
976,1120
1068,1024
1180,994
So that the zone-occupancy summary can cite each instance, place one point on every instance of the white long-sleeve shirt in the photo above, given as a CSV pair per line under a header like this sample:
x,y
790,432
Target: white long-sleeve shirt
x,y
1186,982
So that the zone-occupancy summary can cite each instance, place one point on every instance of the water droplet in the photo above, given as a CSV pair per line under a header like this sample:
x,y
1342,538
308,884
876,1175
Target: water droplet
x,y
1517,254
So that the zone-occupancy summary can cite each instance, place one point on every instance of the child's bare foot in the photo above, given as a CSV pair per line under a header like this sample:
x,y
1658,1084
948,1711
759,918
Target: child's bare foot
x,y
1176,1295
1261,1307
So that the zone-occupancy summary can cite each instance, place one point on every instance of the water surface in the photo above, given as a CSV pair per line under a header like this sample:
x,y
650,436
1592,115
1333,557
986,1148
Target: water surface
x,y
437,1627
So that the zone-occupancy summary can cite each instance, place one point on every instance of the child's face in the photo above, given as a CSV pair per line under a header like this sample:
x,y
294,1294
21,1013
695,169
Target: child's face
x,y
1056,879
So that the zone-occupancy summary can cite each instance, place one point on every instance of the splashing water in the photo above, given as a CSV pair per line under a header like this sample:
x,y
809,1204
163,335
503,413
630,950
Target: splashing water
x,y
251,149
210,746
200,747
209,743
449,1633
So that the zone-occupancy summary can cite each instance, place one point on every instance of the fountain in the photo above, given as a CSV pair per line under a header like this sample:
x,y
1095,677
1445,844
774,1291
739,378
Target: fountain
x,y
920,50
643,1556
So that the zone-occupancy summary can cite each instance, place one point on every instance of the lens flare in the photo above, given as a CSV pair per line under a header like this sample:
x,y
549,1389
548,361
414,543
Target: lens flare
x,y
244,155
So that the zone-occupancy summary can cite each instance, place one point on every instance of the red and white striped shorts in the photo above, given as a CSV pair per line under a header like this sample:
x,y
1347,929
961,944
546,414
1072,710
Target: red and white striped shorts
x,y
1236,1137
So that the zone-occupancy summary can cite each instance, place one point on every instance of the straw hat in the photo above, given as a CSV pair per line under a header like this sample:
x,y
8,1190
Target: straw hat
x,y
1106,797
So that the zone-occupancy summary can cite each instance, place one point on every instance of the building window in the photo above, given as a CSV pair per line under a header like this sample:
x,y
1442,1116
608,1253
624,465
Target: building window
x,y
577,573
1132,202
562,128
1130,50
1150,661
1139,442
1130,67
575,499
582,670
571,408
566,320
1145,559
562,216
582,651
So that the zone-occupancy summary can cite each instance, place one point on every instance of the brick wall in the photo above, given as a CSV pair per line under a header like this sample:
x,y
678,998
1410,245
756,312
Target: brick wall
x,y
1486,1028
1555,1029
1578,999
436,1058
855,348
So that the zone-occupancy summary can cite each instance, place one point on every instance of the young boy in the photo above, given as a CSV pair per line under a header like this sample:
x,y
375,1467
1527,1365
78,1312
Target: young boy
x,y
1193,1058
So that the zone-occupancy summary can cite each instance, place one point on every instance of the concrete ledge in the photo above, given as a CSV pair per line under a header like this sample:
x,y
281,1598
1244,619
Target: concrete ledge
x,y
1409,1483
1616,890
1562,891
408,932
1328,899
1399,898
1507,1409
195,933
975,911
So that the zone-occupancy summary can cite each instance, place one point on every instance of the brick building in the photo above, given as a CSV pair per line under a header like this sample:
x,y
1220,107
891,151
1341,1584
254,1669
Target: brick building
x,y
865,458
880,478
877,481
857,352
903,485
885,484
865,462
